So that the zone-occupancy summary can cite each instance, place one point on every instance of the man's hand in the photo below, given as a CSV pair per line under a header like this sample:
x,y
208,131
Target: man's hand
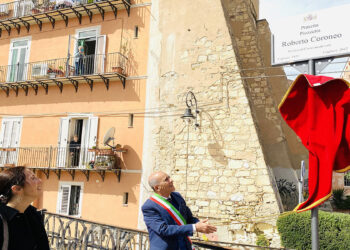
x,y
204,227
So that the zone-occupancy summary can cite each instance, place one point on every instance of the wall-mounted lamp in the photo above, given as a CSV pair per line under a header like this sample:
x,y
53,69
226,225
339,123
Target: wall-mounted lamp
x,y
191,101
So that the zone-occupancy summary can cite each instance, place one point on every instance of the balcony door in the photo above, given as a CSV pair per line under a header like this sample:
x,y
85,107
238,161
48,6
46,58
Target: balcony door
x,y
78,133
18,60
9,140
94,46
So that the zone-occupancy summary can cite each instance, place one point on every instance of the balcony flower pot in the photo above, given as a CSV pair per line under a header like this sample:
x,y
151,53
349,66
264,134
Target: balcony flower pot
x,y
118,69
35,11
52,75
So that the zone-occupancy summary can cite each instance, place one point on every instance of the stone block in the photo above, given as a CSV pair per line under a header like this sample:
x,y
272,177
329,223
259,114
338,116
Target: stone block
x,y
246,181
213,57
202,58
242,173
223,179
206,179
235,164
237,197
202,203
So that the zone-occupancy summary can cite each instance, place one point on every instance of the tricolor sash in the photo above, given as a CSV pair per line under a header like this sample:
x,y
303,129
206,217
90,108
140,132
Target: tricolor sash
x,y
173,212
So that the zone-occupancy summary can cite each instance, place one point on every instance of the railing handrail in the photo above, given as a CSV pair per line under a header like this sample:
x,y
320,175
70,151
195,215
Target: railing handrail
x,y
94,222
63,58
40,8
141,233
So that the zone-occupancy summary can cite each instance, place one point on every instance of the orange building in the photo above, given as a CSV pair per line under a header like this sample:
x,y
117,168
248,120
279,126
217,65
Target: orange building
x,y
76,68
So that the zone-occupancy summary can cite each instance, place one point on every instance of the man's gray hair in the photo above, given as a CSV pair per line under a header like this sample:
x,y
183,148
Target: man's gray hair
x,y
153,182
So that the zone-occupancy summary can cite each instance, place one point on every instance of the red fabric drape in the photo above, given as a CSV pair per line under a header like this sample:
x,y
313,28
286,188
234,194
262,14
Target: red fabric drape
x,y
317,109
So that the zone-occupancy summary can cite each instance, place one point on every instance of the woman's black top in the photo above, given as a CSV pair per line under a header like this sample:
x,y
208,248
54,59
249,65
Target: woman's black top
x,y
26,230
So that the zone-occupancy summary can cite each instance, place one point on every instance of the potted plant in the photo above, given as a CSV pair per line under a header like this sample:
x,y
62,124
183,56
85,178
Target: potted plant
x,y
121,59
54,72
51,73
60,71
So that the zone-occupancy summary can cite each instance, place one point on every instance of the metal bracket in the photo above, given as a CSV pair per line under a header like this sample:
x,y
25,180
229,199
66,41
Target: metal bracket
x,y
117,173
102,173
51,19
25,88
26,24
57,172
72,173
34,86
7,27
5,89
77,14
127,5
89,81
87,174
114,9
64,17
75,83
88,12
46,172
105,80
122,79
59,84
16,25
15,88
101,10
38,22
45,85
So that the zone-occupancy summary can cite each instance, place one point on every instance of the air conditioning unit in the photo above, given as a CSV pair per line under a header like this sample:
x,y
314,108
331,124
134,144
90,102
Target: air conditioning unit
x,y
39,70
4,9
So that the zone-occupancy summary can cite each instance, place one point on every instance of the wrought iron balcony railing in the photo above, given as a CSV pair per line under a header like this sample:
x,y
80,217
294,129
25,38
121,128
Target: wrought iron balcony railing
x,y
61,158
64,70
27,12
66,232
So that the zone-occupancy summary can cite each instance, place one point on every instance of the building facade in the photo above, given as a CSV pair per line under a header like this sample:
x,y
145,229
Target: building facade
x,y
118,73
50,93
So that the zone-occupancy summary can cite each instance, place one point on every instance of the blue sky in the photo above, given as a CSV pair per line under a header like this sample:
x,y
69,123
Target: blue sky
x,y
274,10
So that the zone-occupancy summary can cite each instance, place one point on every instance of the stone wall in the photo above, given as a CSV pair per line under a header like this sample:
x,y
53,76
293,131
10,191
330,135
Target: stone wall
x,y
222,168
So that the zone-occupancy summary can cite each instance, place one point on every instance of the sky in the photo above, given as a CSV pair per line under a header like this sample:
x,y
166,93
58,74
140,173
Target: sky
x,y
275,10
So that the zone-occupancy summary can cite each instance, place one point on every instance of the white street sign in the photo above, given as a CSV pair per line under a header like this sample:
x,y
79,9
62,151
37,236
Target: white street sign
x,y
313,35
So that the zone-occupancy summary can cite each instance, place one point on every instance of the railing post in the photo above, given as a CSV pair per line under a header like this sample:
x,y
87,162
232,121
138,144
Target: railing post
x,y
50,156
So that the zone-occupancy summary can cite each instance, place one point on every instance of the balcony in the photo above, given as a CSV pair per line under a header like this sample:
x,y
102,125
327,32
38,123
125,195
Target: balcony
x,y
58,72
71,160
66,232
24,13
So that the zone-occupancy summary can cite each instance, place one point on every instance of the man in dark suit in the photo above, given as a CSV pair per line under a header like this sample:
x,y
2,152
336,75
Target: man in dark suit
x,y
169,221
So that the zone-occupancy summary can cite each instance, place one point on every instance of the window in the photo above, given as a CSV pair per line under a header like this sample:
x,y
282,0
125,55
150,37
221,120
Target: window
x,y
70,198
126,198
136,32
10,134
347,179
131,120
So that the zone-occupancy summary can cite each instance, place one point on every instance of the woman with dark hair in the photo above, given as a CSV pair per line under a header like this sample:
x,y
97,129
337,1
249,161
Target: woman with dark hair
x,y
21,225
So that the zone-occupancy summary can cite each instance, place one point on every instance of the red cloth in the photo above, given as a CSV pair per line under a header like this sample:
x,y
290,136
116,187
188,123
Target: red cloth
x,y
317,108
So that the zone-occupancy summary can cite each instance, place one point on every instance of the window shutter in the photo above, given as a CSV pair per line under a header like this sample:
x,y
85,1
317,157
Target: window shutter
x,y
64,199
63,142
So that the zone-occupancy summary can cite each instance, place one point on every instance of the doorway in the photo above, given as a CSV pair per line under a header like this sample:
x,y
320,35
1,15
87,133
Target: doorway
x,y
89,45
75,144
19,53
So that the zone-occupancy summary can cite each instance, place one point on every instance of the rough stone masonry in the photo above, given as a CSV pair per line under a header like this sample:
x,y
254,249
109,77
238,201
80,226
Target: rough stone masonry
x,y
222,168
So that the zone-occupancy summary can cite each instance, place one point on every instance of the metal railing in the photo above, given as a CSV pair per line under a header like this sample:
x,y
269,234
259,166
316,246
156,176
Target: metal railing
x,y
67,232
63,67
346,180
22,8
58,157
